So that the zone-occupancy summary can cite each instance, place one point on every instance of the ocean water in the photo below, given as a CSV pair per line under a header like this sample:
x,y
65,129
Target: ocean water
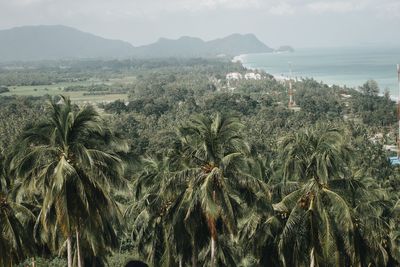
x,y
350,66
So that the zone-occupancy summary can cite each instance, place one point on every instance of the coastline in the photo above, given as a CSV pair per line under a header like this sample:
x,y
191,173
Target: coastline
x,y
334,81
240,58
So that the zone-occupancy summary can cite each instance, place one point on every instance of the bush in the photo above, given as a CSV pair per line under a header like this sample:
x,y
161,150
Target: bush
x,y
120,259
41,262
4,89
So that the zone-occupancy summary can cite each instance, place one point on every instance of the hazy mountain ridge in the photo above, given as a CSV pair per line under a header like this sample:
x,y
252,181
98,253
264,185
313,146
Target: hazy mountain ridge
x,y
30,43
234,44
56,42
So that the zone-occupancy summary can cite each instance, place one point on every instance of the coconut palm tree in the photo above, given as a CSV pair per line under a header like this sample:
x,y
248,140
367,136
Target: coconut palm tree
x,y
69,159
259,233
374,216
319,228
147,210
5,181
213,190
15,238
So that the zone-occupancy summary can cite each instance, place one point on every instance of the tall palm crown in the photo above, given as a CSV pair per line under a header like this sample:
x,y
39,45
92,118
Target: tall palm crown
x,y
67,158
317,153
318,226
147,210
213,141
213,147
213,150
15,241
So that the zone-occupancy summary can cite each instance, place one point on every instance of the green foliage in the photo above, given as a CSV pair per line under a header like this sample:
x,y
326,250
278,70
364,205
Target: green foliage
x,y
41,262
120,259
68,160
4,89
318,102
15,242
370,88
16,113
203,175
375,110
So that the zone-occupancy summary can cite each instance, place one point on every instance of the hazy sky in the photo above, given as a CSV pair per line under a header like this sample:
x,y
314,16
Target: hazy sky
x,y
301,23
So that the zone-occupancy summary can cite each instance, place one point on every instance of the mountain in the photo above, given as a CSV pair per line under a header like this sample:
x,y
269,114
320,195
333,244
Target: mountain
x,y
182,47
29,43
237,44
232,45
57,42
284,48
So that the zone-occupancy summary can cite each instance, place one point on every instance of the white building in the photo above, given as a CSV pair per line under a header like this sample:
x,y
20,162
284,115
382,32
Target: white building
x,y
252,76
234,76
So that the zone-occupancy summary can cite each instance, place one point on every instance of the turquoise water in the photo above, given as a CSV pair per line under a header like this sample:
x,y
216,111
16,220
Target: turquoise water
x,y
350,66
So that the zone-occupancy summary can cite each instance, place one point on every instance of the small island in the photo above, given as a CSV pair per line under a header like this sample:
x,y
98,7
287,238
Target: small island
x,y
284,48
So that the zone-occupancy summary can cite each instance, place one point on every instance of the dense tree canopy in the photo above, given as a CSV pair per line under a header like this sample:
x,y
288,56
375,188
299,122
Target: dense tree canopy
x,y
191,170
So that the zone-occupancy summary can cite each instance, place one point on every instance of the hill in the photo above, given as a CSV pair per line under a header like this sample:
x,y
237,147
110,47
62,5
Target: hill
x,y
30,43
231,45
237,44
285,48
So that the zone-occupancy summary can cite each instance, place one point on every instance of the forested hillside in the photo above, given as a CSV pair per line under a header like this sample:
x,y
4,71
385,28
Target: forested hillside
x,y
192,168
57,42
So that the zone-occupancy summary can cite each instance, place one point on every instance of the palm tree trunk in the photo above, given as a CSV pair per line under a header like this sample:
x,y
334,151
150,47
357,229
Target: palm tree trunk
x,y
313,261
33,262
213,236
69,251
180,262
78,248
194,253
312,257
212,251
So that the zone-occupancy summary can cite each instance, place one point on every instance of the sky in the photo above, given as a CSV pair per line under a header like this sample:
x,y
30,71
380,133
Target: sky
x,y
300,23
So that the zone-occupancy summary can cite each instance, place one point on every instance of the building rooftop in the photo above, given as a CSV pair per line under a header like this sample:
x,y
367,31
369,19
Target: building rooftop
x,y
394,160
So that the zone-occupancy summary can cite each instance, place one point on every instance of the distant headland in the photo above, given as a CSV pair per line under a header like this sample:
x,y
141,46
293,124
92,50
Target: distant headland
x,y
54,42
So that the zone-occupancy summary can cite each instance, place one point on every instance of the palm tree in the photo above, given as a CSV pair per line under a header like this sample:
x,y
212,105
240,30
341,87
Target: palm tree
x,y
319,153
373,216
15,223
319,221
159,236
69,159
5,182
15,241
213,189
148,209
259,233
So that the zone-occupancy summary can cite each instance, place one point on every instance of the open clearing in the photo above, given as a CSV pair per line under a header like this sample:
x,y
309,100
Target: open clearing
x,y
76,96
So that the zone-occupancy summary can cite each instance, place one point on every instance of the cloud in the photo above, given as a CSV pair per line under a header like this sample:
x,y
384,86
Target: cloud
x,y
282,9
336,7
25,2
207,4
151,8
389,10
382,9
134,7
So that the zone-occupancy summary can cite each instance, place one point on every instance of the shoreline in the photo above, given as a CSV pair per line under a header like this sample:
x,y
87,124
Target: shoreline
x,y
277,77
240,58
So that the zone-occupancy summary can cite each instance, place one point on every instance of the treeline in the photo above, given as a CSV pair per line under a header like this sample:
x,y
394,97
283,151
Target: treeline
x,y
50,72
99,89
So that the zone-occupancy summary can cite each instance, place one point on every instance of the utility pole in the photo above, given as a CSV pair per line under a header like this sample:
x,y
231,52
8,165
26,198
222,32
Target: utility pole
x,y
398,112
291,102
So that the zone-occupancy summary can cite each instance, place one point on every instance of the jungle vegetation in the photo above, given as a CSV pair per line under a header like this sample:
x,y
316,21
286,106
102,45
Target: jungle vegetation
x,y
195,171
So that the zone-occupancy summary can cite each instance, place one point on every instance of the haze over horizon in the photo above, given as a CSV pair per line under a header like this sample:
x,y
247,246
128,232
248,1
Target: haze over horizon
x,y
301,23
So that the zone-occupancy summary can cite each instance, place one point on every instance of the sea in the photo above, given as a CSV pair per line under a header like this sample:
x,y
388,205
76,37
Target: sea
x,y
345,66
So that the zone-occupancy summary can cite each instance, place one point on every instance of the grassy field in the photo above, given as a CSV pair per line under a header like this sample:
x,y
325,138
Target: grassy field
x,y
78,96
